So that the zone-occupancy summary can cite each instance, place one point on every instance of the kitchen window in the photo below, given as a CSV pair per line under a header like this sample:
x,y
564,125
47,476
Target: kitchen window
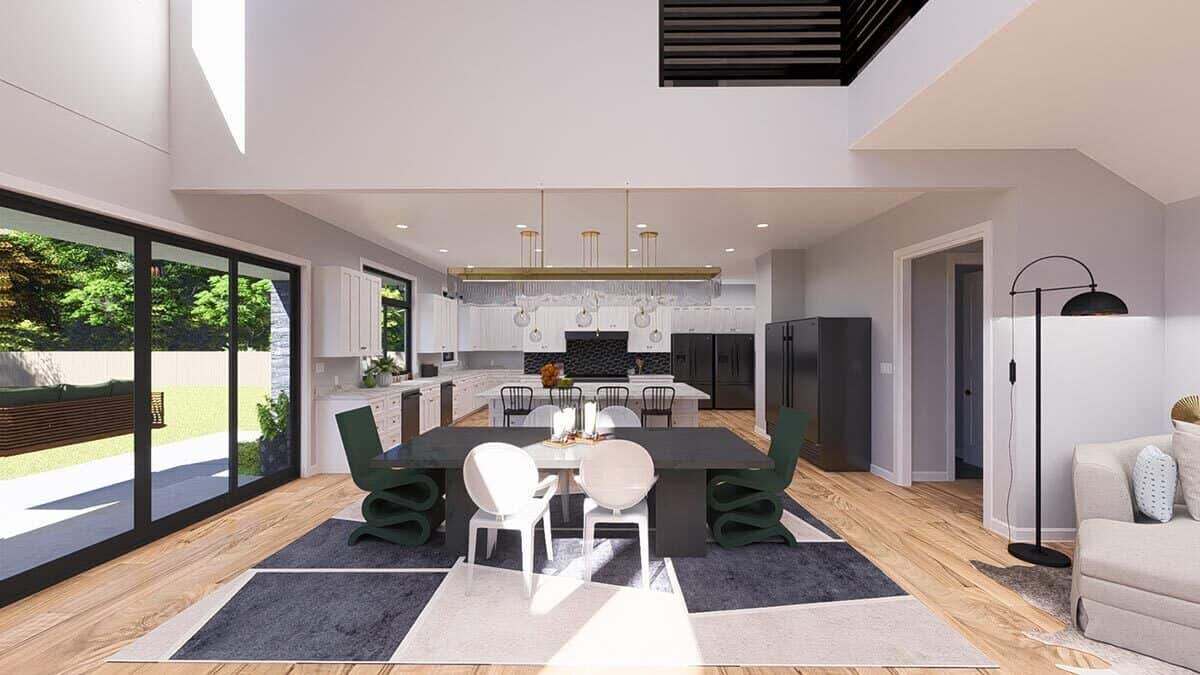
x,y
396,322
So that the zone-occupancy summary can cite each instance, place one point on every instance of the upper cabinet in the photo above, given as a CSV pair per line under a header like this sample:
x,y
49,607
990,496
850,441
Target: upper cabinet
x,y
553,324
349,307
488,329
614,318
437,324
639,338
713,319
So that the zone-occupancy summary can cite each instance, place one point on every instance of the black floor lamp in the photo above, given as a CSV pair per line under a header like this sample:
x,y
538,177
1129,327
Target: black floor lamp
x,y
1089,303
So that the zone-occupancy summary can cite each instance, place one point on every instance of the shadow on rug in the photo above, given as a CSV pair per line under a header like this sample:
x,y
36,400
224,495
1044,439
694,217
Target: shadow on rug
x,y
1049,590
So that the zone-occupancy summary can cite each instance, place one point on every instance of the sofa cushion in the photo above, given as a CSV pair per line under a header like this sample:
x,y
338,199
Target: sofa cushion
x,y
1154,479
121,387
12,397
1187,455
1158,558
74,392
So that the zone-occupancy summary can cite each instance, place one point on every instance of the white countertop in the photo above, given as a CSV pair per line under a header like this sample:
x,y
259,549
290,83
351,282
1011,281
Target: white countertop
x,y
360,393
682,391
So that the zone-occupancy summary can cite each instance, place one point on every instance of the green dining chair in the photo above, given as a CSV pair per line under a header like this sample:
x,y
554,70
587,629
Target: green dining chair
x,y
402,506
744,505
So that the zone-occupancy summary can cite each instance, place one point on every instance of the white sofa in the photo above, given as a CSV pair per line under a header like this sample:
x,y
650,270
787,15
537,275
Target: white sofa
x,y
1135,584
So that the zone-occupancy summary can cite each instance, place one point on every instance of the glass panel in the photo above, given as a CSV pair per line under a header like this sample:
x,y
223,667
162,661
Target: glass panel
x,y
264,423
66,388
395,326
189,378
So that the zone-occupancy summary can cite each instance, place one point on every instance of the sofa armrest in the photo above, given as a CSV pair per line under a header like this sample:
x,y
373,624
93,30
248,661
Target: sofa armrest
x,y
1101,491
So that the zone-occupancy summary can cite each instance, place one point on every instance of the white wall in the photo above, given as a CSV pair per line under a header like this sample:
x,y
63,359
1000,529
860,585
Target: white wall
x,y
1103,376
1182,301
778,296
929,341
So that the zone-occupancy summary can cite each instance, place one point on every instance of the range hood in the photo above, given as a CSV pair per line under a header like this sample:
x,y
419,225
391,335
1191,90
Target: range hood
x,y
597,335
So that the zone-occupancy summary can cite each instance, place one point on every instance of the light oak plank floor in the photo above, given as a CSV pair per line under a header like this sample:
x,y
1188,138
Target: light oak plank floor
x,y
923,536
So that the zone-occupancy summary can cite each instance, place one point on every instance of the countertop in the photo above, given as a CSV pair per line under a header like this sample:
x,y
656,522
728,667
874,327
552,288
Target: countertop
x,y
682,391
361,393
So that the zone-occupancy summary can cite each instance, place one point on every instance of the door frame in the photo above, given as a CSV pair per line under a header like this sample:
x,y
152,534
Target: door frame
x,y
902,350
953,260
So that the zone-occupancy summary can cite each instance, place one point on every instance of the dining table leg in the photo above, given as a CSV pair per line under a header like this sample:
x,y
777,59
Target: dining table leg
x,y
459,508
681,510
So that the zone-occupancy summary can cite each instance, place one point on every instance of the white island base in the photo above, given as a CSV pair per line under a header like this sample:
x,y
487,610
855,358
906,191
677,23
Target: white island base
x,y
684,413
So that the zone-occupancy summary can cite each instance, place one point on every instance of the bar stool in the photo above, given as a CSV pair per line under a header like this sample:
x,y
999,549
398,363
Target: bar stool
x,y
516,401
610,395
567,397
657,401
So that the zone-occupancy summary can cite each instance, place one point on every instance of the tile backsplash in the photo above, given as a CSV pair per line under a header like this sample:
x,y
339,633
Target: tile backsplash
x,y
598,357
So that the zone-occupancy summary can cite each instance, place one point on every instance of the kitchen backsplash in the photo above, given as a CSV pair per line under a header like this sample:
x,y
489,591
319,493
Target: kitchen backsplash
x,y
598,357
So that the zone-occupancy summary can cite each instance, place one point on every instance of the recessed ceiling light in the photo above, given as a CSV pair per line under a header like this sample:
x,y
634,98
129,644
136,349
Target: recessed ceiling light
x,y
402,226
470,267
443,250
633,250
730,250
521,226
708,265
762,226
537,250
549,265
641,226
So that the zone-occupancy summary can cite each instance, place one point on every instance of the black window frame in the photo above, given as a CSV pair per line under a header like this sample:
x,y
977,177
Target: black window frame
x,y
146,529
405,304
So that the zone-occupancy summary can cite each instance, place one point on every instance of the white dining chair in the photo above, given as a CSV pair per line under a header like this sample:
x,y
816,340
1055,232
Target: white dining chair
x,y
502,480
616,477
543,416
615,416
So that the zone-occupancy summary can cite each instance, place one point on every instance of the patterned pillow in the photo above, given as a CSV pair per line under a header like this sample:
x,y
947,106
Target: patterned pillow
x,y
1154,475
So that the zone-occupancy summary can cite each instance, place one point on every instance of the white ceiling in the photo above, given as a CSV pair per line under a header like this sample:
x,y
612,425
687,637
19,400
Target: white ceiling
x,y
1116,80
695,226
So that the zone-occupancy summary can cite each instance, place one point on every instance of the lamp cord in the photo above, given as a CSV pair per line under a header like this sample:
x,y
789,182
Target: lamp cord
x,y
1012,409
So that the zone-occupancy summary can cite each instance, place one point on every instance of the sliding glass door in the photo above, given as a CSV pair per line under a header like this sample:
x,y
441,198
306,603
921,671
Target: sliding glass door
x,y
147,381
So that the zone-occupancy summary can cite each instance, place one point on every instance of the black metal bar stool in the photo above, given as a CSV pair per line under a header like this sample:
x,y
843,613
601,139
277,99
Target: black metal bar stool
x,y
610,395
567,397
657,401
517,402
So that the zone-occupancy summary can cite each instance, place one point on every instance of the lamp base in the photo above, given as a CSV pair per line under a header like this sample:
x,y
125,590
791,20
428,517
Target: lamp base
x,y
1039,555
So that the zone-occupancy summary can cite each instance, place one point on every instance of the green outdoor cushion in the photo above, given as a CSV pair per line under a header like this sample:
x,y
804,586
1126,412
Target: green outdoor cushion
x,y
121,387
79,392
12,397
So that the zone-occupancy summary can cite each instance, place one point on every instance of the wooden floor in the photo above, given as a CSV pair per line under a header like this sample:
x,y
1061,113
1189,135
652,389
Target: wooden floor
x,y
922,536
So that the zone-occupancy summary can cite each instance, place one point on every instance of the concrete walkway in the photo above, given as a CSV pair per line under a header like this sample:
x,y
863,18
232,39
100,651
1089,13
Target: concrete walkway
x,y
47,515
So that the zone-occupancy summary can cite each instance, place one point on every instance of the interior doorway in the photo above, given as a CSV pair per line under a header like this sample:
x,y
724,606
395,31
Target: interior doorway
x,y
942,426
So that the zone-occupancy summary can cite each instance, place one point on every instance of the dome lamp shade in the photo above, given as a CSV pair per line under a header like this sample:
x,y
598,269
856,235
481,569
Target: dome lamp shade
x,y
1094,303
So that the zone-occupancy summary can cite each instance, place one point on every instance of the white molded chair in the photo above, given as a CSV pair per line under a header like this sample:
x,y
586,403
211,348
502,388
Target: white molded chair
x,y
615,416
502,480
543,416
617,475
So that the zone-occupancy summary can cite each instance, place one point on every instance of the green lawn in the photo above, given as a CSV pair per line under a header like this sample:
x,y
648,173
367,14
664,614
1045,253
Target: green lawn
x,y
190,412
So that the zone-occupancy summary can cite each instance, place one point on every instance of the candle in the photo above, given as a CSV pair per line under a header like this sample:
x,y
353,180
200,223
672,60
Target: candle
x,y
559,424
569,416
589,418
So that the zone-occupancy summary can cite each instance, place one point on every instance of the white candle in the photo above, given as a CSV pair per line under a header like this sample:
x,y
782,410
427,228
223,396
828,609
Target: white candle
x,y
569,414
559,423
589,418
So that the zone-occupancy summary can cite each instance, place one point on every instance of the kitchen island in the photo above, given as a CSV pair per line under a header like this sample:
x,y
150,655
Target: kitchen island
x,y
685,412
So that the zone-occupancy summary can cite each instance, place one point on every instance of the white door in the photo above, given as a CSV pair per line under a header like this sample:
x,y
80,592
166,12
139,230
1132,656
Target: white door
x,y
969,367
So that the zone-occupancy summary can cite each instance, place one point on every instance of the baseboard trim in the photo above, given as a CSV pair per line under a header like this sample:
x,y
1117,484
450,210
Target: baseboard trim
x,y
761,432
1026,534
931,476
883,473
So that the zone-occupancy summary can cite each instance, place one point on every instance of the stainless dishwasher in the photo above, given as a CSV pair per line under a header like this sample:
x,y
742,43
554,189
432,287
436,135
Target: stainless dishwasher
x,y
447,403
410,415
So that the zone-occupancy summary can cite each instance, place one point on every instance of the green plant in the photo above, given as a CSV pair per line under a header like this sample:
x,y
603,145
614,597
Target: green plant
x,y
274,414
384,364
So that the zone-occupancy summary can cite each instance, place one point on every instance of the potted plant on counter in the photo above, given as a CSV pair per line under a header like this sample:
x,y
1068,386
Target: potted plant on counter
x,y
384,368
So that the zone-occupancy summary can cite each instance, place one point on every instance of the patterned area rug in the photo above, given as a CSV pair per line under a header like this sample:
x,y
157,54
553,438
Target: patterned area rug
x,y
820,603
1049,590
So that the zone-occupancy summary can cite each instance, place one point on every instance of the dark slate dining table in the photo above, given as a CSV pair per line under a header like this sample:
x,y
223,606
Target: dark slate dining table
x,y
682,458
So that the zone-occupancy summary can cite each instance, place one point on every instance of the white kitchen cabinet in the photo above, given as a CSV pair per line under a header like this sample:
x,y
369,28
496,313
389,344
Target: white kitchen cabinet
x,y
639,338
502,335
743,319
553,322
349,307
614,318
437,324
470,329
714,319
431,407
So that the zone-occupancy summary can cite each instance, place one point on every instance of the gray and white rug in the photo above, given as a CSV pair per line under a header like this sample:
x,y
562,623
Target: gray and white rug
x,y
820,603
1049,590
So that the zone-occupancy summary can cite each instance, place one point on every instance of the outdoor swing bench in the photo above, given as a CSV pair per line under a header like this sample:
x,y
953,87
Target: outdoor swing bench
x,y
38,418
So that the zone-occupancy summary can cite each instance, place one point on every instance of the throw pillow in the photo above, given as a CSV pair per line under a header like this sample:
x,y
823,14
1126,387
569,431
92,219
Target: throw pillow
x,y
1154,475
1187,456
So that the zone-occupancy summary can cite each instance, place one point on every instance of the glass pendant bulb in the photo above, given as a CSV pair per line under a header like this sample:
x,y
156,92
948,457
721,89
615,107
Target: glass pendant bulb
x,y
535,335
583,319
656,336
641,319
591,301
521,318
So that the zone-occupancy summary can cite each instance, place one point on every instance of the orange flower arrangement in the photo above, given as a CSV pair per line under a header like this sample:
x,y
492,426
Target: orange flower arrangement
x,y
549,375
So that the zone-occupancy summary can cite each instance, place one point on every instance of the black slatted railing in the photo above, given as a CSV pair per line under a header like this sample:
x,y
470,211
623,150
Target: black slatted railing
x,y
771,42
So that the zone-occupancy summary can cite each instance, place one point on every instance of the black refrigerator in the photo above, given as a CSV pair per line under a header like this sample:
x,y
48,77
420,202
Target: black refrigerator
x,y
734,377
823,367
692,362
